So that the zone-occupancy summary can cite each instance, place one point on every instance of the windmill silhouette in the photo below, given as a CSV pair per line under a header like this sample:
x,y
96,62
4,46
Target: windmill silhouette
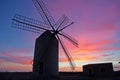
x,y
46,47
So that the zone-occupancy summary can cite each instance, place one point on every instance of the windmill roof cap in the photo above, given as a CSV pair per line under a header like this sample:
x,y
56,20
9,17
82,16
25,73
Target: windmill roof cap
x,y
47,33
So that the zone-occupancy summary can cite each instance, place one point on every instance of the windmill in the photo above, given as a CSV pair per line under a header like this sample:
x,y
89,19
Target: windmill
x,y
46,47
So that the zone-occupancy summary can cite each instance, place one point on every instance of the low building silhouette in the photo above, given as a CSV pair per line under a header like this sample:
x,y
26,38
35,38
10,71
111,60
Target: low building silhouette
x,y
98,70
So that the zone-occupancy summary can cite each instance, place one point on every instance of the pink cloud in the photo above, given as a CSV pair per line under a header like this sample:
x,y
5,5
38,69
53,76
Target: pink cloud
x,y
2,60
17,56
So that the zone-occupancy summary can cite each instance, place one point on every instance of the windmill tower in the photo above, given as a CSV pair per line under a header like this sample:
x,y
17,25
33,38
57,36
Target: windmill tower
x,y
46,55
46,46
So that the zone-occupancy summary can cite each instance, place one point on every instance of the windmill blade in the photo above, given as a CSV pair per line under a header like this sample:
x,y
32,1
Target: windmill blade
x,y
25,27
63,20
27,20
69,38
72,64
44,13
66,26
27,24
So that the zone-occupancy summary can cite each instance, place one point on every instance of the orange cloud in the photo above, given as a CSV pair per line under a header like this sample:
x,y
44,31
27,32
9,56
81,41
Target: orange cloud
x,y
13,67
68,69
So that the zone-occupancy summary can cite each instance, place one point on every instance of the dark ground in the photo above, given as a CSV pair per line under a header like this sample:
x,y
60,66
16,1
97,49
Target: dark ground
x,y
63,76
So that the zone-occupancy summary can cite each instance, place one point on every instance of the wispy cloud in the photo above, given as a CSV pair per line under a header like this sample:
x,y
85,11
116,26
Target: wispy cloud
x,y
17,56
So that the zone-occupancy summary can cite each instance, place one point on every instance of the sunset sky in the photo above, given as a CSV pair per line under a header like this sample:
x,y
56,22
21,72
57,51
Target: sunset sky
x,y
96,28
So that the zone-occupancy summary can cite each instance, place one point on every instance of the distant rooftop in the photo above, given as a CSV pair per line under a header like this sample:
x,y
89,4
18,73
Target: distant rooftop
x,y
98,64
